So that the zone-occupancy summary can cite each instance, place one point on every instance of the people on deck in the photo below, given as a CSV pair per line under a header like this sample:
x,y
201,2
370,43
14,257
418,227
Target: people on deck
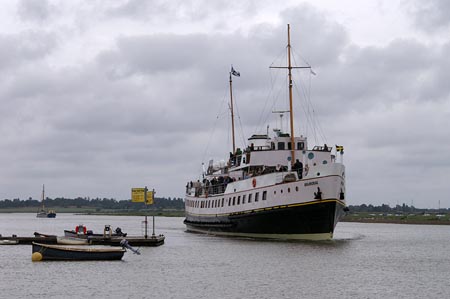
x,y
298,166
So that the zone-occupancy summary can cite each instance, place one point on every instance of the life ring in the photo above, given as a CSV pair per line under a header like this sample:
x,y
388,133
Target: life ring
x,y
254,182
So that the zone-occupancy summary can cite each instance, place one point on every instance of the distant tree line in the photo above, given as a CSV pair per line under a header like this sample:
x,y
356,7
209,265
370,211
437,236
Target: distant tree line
x,y
102,203
384,208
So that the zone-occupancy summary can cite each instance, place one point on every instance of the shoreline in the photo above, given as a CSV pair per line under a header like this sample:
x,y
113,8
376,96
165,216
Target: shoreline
x,y
361,218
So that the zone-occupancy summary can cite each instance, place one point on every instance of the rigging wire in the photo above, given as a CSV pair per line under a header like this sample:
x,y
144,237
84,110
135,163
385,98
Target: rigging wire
x,y
262,122
219,114
240,123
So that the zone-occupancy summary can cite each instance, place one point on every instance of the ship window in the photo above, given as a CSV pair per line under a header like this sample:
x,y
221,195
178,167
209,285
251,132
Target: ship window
x,y
234,200
239,200
222,201
274,192
243,199
281,145
324,162
256,196
264,196
289,190
300,145
296,188
272,145
289,146
250,198
281,190
229,201
209,204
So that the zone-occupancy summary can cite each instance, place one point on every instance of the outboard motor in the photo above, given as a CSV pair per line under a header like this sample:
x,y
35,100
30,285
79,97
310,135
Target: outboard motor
x,y
124,244
119,232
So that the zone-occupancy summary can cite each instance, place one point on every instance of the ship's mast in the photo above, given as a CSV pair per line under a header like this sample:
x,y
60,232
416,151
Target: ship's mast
x,y
232,114
291,111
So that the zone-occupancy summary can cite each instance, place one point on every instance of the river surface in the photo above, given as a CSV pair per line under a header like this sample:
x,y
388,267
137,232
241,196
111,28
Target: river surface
x,y
363,261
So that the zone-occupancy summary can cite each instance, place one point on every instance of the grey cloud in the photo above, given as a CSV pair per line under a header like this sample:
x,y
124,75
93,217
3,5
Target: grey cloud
x,y
430,16
25,47
30,10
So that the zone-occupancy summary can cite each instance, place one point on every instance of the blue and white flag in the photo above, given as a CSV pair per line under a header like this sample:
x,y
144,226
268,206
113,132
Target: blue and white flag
x,y
234,72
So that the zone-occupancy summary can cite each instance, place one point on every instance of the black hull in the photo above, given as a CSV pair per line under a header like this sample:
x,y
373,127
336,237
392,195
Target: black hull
x,y
64,253
315,220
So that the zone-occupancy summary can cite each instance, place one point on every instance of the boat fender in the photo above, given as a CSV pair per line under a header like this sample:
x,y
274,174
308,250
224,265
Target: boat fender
x,y
254,182
36,257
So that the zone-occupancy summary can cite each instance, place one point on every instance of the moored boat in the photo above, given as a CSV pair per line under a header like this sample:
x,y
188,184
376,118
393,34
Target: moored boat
x,y
276,188
42,213
71,253
82,232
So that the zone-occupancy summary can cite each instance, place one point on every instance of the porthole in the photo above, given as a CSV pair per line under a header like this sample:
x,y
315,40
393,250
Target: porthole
x,y
311,156
318,174
296,188
324,162
281,190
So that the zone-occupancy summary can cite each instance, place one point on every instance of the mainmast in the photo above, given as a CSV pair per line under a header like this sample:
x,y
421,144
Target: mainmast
x,y
291,111
232,113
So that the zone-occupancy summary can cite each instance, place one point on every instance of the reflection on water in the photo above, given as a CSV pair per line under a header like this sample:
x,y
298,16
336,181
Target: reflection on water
x,y
362,261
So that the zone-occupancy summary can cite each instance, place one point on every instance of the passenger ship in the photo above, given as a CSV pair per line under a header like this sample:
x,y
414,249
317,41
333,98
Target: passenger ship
x,y
276,188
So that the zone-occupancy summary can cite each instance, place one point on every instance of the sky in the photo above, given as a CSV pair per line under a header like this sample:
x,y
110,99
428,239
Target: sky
x,y
97,97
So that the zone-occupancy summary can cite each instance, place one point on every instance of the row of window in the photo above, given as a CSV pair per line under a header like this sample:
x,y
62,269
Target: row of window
x,y
231,201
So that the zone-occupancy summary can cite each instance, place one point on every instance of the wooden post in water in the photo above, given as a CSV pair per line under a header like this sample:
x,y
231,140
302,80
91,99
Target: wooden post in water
x,y
153,233
145,205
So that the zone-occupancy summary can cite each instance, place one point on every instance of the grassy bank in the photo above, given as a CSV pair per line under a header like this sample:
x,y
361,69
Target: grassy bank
x,y
422,218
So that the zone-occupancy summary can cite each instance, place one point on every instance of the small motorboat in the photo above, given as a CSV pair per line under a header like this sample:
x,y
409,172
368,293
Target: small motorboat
x,y
45,252
82,232
71,241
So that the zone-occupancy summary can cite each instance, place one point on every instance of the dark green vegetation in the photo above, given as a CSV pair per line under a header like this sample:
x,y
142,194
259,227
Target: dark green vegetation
x,y
399,214
110,206
175,207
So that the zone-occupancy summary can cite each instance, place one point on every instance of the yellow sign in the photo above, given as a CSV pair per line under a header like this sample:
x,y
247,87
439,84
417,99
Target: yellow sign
x,y
149,198
138,195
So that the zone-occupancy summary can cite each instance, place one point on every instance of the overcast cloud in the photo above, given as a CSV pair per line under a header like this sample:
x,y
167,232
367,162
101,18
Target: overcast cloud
x,y
98,97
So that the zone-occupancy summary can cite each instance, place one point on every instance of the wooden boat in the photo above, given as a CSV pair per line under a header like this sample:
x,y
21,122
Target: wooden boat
x,y
71,241
71,253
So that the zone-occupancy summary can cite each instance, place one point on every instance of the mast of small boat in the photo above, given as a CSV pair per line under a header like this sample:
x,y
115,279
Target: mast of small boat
x,y
232,113
43,195
291,111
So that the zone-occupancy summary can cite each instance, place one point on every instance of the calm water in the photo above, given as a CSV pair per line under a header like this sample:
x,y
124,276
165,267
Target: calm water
x,y
364,261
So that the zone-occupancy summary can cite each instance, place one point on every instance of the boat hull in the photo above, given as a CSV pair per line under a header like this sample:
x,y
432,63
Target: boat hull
x,y
66,253
74,234
314,220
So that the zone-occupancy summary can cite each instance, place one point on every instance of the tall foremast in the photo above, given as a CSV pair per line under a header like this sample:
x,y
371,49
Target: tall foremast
x,y
291,110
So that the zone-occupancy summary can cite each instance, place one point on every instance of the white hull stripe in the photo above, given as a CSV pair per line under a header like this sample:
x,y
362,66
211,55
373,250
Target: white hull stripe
x,y
312,237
